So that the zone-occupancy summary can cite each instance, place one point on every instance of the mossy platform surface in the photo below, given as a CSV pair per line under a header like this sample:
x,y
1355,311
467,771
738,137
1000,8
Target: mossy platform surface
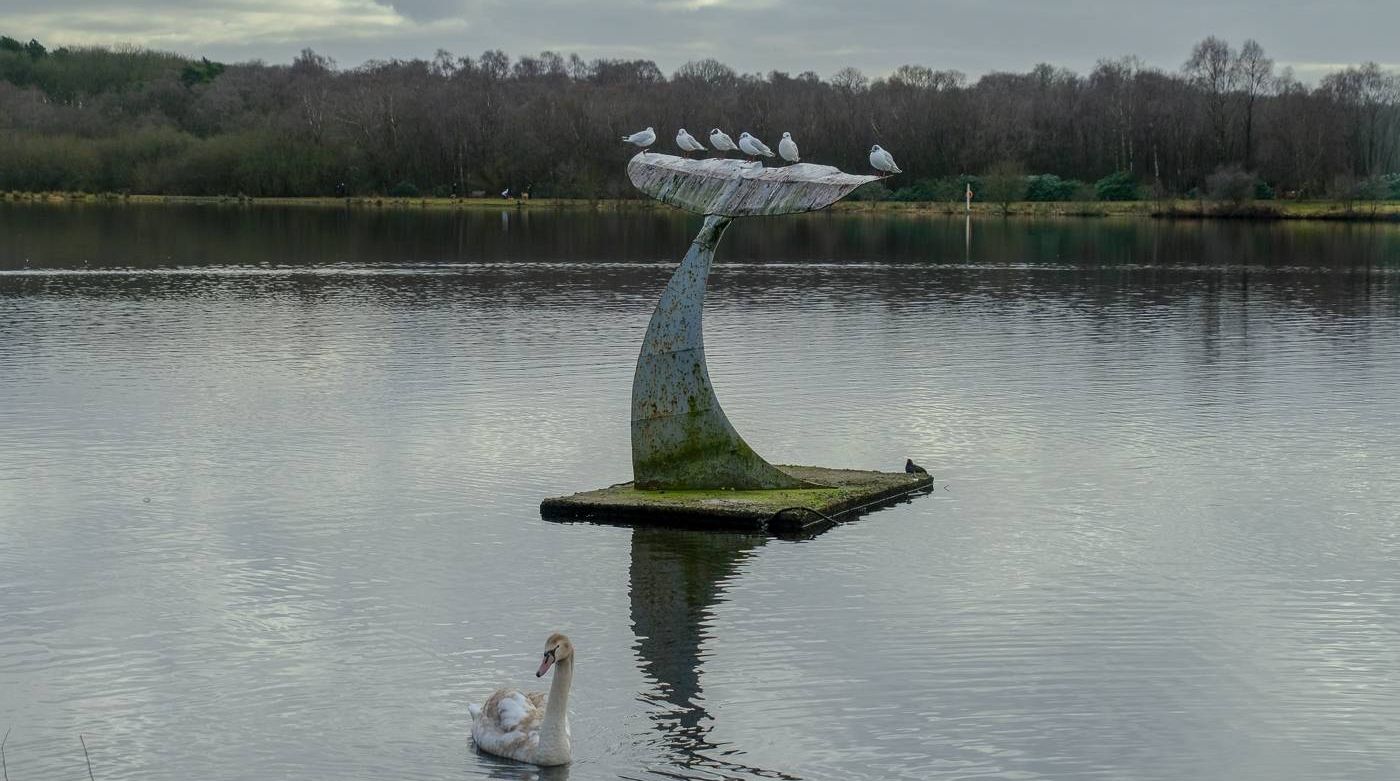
x,y
847,490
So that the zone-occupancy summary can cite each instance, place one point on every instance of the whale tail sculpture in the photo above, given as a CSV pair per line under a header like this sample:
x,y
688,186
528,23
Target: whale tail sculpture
x,y
681,438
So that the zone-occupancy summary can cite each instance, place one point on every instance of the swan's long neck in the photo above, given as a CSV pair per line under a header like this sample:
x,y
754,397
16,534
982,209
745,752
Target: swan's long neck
x,y
554,732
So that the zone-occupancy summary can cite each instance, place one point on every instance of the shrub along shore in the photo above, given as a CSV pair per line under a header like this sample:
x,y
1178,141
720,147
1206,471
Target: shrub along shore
x,y
1357,211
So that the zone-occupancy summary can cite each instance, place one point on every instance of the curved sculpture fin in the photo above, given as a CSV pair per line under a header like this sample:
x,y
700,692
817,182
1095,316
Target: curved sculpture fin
x,y
680,436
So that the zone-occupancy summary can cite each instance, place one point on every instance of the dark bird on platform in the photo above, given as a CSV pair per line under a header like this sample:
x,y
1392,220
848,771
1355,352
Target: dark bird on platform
x,y
913,468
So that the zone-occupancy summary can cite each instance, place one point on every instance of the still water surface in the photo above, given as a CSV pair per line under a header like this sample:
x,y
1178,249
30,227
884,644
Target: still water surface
x,y
269,484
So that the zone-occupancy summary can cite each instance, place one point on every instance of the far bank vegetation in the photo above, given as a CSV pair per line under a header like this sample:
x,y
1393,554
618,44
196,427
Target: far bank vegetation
x,y
1227,132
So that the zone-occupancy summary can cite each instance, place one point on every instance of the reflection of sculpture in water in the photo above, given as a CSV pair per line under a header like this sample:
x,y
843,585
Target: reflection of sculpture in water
x,y
676,579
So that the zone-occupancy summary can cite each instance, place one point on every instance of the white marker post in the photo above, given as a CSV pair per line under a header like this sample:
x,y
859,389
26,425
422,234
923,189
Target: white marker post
x,y
969,197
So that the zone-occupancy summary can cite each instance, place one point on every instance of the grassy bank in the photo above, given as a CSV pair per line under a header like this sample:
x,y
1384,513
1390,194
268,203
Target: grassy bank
x,y
1165,209
363,202
1379,211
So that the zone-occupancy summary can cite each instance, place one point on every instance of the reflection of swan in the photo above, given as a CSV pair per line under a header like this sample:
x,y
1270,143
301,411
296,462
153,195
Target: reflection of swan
x,y
506,770
527,727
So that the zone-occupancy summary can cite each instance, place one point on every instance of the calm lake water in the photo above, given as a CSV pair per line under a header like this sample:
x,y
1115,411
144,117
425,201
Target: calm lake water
x,y
269,485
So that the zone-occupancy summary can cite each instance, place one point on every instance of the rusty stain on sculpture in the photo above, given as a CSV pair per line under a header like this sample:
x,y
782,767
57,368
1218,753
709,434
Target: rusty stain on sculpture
x,y
681,438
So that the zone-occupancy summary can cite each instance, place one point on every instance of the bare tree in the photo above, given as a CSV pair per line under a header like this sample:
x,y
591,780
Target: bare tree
x,y
1255,74
707,71
850,80
1370,97
1117,79
1213,68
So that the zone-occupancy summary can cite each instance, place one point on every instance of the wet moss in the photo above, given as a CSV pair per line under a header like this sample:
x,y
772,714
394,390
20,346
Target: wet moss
x,y
774,498
842,489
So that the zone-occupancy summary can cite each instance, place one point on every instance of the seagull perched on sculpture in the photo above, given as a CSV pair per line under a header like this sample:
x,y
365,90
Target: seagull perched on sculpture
x,y
881,160
642,138
687,142
753,147
788,149
721,141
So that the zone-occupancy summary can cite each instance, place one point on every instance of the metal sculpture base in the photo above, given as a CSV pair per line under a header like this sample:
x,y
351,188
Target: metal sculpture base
x,y
681,438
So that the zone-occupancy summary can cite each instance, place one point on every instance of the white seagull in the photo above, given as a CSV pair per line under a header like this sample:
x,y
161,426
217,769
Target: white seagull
x,y
721,141
788,149
753,147
642,138
881,160
687,142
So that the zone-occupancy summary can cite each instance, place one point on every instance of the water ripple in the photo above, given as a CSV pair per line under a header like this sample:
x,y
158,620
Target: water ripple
x,y
281,521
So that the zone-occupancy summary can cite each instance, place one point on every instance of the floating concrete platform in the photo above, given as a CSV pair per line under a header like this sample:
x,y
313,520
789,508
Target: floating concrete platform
x,y
844,491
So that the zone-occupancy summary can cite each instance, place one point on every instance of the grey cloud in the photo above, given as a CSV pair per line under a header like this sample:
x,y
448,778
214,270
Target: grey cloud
x,y
433,10
752,36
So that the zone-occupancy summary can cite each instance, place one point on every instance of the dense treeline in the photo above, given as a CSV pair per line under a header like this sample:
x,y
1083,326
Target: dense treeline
x,y
123,119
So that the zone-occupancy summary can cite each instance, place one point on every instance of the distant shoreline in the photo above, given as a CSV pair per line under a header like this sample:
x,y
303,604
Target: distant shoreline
x,y
1361,211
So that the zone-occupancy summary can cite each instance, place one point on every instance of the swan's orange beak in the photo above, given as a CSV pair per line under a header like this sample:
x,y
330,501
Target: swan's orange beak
x,y
545,664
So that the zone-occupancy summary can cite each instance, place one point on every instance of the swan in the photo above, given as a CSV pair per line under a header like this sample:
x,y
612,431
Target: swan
x,y
527,727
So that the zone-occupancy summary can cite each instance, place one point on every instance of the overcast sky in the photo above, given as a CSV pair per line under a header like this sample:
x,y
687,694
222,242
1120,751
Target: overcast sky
x,y
750,35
